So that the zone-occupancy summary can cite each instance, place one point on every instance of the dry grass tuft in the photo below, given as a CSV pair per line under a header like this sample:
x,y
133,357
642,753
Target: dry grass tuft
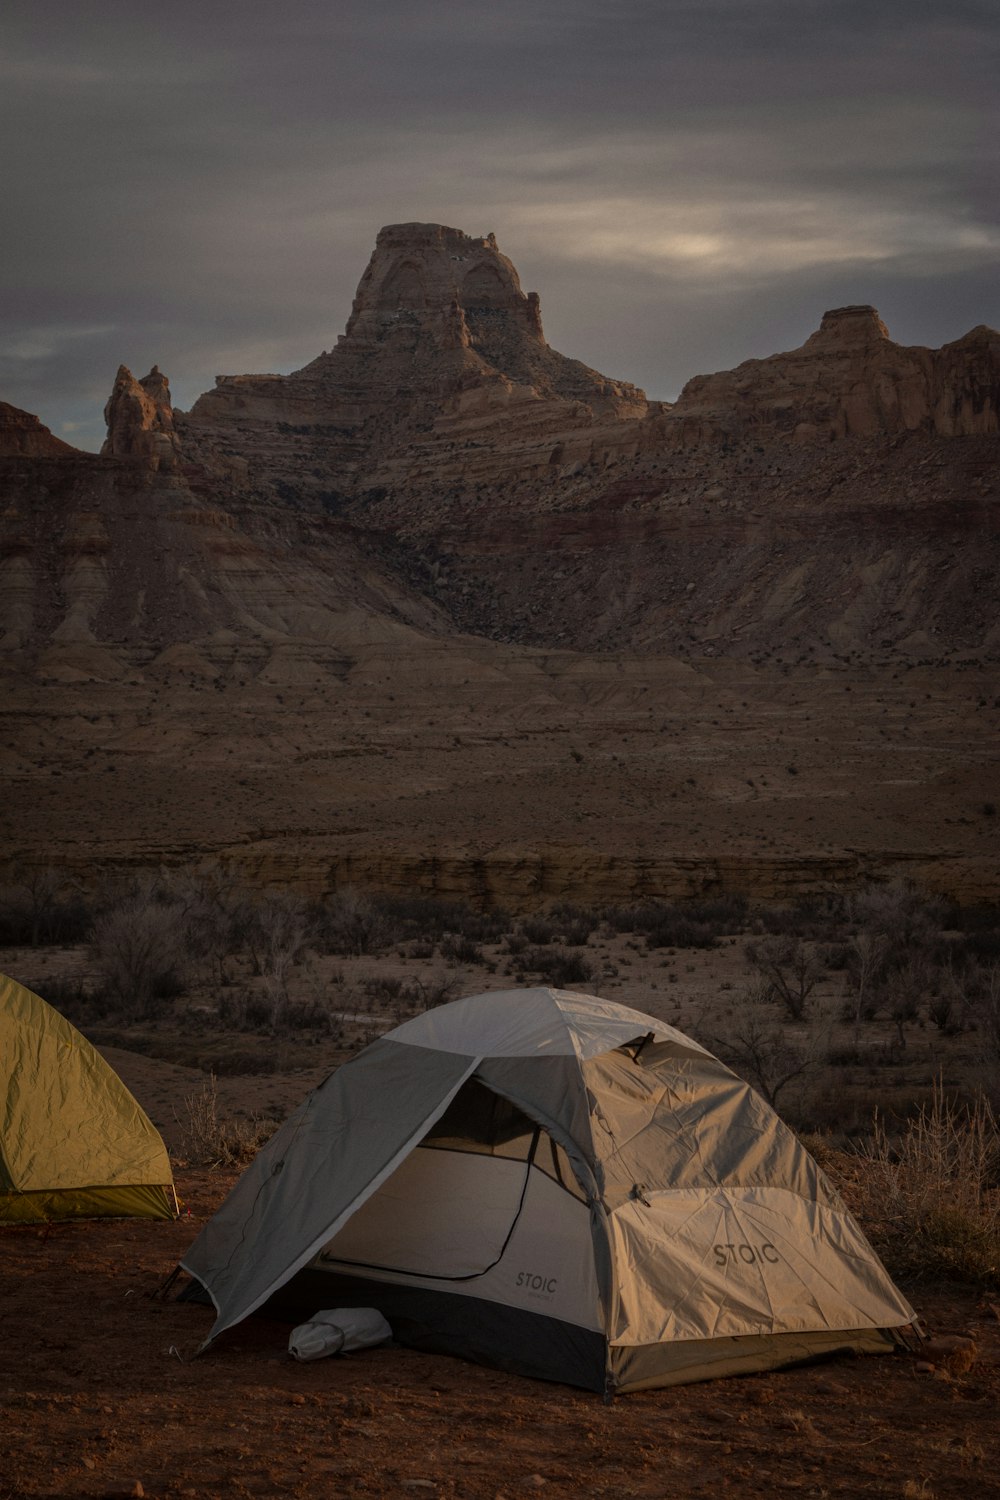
x,y
931,1200
211,1141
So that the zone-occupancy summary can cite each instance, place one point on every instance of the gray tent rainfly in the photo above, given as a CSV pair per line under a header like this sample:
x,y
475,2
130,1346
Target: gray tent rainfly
x,y
556,1185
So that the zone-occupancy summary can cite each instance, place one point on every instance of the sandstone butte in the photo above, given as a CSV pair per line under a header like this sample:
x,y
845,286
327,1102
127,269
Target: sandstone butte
x,y
447,610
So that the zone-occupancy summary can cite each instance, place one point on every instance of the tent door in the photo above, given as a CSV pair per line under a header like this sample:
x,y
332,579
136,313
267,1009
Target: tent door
x,y
446,1214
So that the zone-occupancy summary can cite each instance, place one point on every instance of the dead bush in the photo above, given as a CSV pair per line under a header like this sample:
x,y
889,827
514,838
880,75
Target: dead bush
x,y
353,924
139,952
434,990
209,1140
458,949
43,906
930,1199
539,930
791,970
758,1050
430,918
557,967
691,925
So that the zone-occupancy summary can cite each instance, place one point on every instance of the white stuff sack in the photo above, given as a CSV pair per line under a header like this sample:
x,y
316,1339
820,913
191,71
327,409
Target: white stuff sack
x,y
338,1330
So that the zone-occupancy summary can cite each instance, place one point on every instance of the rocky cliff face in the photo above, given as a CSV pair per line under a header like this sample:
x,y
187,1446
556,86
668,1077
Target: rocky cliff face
x,y
848,380
447,609
443,354
838,498
23,436
140,420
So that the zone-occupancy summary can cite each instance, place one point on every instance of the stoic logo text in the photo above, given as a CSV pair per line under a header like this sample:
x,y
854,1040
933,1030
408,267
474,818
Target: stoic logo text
x,y
533,1283
725,1255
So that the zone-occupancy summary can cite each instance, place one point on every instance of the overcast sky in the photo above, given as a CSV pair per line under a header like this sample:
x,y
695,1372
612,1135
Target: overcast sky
x,y
686,183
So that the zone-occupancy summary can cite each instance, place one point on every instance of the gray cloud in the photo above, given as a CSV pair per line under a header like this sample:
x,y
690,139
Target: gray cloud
x,y
686,183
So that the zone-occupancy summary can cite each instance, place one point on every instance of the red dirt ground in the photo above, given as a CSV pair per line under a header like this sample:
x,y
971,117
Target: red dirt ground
x,y
100,1398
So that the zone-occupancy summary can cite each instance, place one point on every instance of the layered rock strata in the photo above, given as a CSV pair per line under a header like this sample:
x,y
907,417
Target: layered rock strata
x,y
23,436
847,380
443,361
446,609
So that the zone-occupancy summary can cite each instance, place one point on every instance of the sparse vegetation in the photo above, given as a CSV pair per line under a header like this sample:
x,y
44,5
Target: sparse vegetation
x,y
829,1007
209,1140
930,1196
790,968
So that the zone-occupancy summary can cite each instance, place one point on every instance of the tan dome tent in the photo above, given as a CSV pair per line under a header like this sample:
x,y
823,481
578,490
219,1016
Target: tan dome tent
x,y
73,1142
559,1186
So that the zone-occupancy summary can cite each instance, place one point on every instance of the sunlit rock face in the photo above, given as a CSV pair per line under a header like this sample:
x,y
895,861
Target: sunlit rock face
x,y
140,419
847,380
443,357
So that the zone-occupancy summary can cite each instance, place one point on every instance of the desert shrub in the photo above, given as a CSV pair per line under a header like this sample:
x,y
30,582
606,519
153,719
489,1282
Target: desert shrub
x,y
458,949
930,1200
904,916
516,943
557,967
245,1010
308,1015
875,1055
908,984
941,1013
982,917
867,956
208,1140
984,945
66,993
623,918
436,989
430,918
280,931
725,913
758,1050
689,924
351,923
836,956
673,929
815,917
575,923
382,989
789,968
42,907
218,917
254,1010
845,1055
138,948
539,930
982,995
662,926
755,991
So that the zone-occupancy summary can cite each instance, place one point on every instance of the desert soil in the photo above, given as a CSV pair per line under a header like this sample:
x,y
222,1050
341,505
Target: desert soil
x,y
100,1394
101,1397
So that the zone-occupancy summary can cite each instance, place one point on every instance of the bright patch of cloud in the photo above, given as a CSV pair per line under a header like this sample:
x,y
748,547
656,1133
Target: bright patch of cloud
x,y
47,342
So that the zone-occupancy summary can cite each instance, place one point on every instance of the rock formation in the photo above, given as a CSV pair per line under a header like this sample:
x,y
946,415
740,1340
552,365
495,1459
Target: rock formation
x,y
442,352
23,435
140,420
847,380
447,610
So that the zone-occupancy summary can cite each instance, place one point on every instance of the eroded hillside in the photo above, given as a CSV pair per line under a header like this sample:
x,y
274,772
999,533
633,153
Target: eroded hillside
x,y
447,609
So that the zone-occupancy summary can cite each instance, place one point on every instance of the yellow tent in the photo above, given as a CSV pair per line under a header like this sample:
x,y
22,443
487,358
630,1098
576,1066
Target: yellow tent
x,y
73,1142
